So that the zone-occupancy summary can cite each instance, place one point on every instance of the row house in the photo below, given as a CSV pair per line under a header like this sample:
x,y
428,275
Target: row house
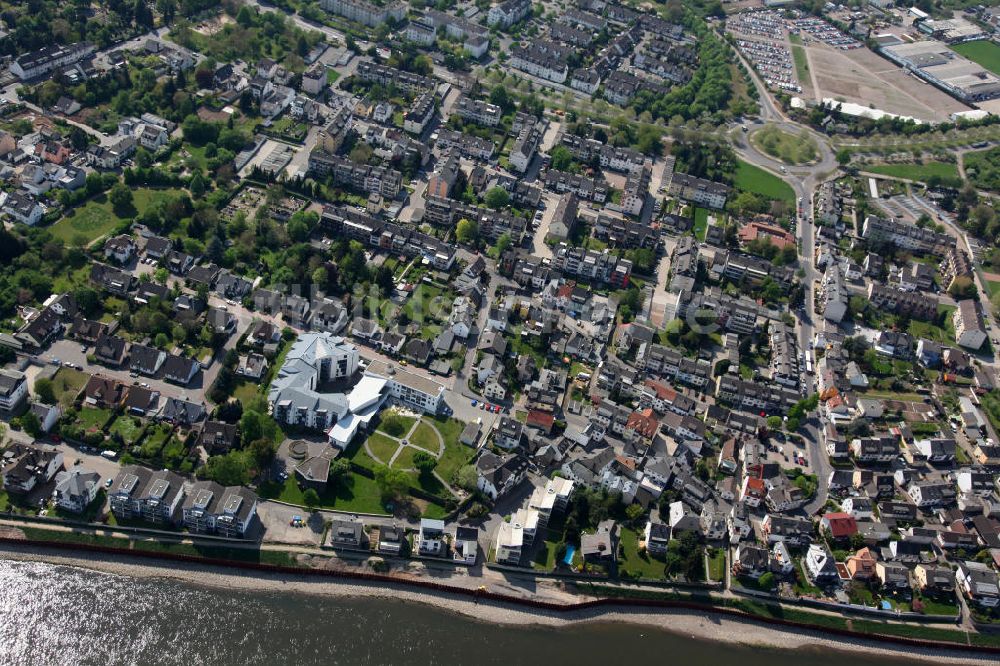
x,y
541,58
910,304
140,493
906,236
755,396
361,177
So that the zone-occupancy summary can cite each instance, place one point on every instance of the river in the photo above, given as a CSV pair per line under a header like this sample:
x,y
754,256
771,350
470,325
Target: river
x,y
53,614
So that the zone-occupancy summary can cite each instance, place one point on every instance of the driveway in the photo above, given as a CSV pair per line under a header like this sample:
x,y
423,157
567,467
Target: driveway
x,y
108,469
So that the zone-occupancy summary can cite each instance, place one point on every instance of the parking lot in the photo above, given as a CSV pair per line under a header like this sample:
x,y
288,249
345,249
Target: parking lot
x,y
763,40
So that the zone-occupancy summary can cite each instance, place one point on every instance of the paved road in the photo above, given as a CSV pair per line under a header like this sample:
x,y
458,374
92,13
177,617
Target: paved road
x,y
804,180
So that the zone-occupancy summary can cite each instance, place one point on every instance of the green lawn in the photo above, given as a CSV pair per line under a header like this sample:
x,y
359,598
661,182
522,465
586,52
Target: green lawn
x,y
750,178
425,437
246,391
92,418
428,303
717,565
545,557
983,52
154,443
456,454
700,223
96,218
801,63
785,146
944,332
395,425
405,458
637,563
128,427
67,384
939,607
382,447
919,172
331,76
357,493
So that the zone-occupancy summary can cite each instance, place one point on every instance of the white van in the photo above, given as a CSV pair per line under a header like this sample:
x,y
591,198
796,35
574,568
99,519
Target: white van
x,y
110,455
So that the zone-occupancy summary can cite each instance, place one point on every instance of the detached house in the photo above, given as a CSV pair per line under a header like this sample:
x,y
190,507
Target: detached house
x,y
76,489
25,466
499,475
979,583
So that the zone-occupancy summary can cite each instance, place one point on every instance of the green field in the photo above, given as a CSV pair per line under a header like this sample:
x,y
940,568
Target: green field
x,y
754,179
801,62
84,225
984,52
918,172
785,146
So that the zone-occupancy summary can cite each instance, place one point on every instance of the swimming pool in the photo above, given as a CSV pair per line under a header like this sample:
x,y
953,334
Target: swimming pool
x,y
570,552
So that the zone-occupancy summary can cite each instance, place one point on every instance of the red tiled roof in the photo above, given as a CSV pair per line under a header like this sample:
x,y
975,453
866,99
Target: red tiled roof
x,y
840,524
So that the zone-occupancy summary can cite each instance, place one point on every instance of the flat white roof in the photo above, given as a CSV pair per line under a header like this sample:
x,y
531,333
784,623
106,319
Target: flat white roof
x,y
366,392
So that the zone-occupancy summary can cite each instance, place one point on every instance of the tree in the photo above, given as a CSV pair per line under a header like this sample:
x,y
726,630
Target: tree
x,y
497,198
245,17
45,391
251,427
501,98
425,464
766,581
384,279
633,512
262,451
562,159
392,483
467,231
121,200
197,185
467,477
774,422
961,288
503,242
31,424
340,471
231,469
311,498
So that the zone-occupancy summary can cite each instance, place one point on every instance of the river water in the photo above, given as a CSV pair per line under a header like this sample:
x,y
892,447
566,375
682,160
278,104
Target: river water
x,y
51,614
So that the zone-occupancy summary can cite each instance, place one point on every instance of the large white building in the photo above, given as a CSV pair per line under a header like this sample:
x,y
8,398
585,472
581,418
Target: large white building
x,y
408,388
295,395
